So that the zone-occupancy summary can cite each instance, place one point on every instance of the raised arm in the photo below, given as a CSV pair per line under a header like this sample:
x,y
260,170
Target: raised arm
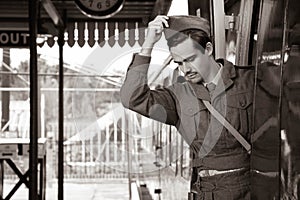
x,y
136,95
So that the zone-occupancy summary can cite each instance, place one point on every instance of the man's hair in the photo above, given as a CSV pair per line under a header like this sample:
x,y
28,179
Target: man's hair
x,y
199,36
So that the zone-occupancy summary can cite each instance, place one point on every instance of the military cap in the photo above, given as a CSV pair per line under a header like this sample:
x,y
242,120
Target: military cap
x,y
180,23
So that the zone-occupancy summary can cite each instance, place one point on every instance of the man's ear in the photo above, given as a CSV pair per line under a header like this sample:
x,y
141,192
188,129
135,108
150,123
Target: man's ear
x,y
209,48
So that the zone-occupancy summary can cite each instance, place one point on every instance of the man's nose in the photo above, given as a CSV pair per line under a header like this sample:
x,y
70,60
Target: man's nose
x,y
185,67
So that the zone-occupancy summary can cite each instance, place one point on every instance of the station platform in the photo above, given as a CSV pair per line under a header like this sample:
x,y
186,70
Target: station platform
x,y
75,189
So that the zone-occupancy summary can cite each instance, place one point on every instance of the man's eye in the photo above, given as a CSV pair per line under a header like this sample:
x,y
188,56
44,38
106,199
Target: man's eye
x,y
178,62
190,59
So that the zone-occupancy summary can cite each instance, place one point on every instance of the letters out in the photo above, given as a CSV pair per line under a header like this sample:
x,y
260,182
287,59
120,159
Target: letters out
x,y
13,38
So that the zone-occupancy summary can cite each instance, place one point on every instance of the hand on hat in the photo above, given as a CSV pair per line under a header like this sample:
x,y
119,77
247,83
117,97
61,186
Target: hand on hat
x,y
154,33
156,27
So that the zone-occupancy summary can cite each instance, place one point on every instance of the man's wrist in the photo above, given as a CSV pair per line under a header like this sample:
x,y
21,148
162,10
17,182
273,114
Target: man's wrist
x,y
147,48
146,51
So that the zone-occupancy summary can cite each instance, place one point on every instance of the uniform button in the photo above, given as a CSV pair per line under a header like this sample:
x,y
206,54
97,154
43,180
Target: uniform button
x,y
191,109
242,103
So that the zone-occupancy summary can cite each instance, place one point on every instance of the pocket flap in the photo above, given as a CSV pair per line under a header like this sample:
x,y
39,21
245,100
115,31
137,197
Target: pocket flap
x,y
240,100
193,109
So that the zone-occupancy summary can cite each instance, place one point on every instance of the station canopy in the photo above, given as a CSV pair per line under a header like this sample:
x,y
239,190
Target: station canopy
x,y
128,25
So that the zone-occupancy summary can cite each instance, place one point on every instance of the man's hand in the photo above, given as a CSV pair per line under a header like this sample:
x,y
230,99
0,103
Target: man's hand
x,y
154,33
155,29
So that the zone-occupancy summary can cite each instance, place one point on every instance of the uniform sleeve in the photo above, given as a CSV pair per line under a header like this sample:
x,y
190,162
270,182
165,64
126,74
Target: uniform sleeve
x,y
136,95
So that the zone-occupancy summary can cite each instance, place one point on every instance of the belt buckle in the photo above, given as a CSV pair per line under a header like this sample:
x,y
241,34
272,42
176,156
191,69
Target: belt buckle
x,y
204,173
207,172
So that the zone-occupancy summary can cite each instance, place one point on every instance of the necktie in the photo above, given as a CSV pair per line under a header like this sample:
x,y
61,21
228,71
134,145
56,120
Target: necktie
x,y
211,87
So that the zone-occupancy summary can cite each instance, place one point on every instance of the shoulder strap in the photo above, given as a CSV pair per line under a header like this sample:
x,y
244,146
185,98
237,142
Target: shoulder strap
x,y
228,126
272,121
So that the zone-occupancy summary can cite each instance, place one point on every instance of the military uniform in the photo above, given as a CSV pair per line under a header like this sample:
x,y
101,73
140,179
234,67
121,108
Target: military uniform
x,y
212,146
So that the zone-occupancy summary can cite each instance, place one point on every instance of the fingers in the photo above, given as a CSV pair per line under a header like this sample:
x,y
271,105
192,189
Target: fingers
x,y
163,19
155,29
159,23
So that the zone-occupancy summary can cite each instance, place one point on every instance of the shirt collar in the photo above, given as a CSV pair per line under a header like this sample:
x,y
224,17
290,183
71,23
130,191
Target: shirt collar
x,y
217,77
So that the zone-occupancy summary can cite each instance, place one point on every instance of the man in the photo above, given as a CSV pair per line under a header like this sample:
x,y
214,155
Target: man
x,y
220,163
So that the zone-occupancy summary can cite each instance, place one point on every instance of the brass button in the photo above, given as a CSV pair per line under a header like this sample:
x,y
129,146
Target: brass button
x,y
243,103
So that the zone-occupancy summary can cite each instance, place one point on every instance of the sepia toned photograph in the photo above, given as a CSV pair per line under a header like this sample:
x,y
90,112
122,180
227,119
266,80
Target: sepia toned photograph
x,y
150,99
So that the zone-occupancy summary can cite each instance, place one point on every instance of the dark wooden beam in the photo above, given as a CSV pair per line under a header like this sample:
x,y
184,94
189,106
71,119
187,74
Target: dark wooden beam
x,y
52,12
203,5
34,100
230,3
161,7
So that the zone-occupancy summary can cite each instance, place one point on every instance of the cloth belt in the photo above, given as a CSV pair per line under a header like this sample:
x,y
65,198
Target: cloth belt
x,y
204,173
209,188
268,174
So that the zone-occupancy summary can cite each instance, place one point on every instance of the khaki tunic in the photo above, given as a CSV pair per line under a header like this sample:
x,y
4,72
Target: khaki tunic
x,y
181,105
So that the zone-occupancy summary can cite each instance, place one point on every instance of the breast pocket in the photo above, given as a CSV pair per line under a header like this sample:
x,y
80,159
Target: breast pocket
x,y
192,110
239,109
192,118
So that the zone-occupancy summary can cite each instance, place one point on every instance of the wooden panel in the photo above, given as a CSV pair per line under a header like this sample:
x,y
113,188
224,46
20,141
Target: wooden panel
x,y
132,9
141,38
121,26
219,28
50,41
80,27
101,28
203,5
131,28
243,37
91,32
111,33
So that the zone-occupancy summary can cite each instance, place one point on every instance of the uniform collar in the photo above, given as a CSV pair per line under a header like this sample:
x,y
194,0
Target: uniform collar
x,y
228,69
226,74
217,77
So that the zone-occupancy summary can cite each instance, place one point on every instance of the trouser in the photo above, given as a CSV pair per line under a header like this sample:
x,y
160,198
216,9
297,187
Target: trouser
x,y
227,186
264,187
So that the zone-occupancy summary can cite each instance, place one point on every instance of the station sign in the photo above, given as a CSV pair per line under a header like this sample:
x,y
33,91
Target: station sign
x,y
14,39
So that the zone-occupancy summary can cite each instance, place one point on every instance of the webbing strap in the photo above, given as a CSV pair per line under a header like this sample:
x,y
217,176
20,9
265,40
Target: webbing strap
x,y
272,121
228,126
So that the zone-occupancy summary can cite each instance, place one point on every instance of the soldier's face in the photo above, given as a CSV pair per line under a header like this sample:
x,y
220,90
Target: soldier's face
x,y
192,61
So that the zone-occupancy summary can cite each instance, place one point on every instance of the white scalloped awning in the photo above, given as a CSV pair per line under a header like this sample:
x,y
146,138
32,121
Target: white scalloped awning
x,y
101,33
